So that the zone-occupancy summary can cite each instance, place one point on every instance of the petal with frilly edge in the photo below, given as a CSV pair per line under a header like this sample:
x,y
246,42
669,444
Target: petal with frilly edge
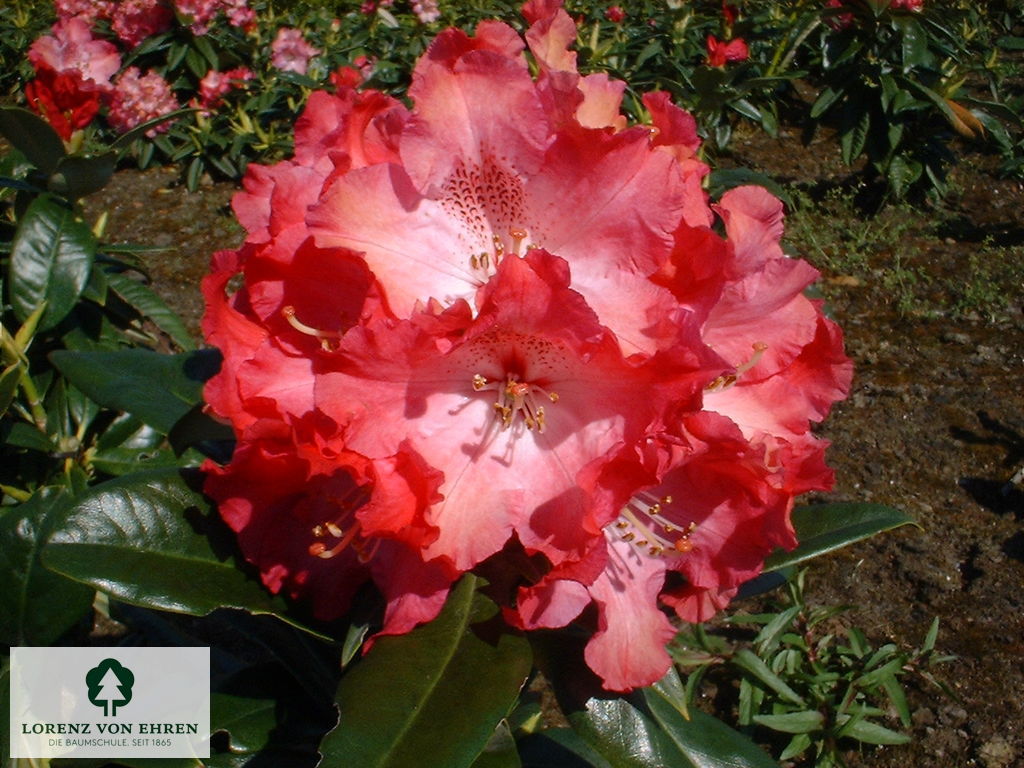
x,y
628,649
511,406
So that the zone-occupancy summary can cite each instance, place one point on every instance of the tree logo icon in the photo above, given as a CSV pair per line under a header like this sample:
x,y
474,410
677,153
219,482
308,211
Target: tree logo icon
x,y
110,685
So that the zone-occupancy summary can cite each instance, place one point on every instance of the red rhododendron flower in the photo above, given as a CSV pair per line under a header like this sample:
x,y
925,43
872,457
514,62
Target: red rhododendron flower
x,y
64,99
615,13
720,52
730,13
838,21
908,5
503,323
72,47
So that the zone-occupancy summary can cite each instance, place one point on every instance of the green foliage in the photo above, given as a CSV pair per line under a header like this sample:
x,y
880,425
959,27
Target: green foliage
x,y
806,676
892,82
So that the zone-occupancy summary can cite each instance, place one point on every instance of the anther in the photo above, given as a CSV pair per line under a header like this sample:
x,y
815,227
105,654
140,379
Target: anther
x,y
479,382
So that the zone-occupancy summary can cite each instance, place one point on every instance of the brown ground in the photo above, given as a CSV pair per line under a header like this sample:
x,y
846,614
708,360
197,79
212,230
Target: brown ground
x,y
934,425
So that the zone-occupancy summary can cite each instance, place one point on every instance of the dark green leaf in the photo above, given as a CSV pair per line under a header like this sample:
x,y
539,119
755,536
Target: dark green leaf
x,y
826,99
559,748
248,722
872,733
914,43
793,722
902,174
78,176
704,741
36,605
151,540
149,304
500,751
1011,43
822,528
159,389
33,137
854,131
750,663
139,130
51,257
22,435
204,47
434,696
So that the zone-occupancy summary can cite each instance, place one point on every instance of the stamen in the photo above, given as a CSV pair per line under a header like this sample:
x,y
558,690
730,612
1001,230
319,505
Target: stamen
x,y
727,380
516,397
642,525
325,337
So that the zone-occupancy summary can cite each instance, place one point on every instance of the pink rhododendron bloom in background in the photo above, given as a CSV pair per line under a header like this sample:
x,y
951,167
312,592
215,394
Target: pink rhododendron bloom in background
x,y
215,85
135,20
88,11
199,13
138,98
240,14
720,52
72,47
908,5
290,51
427,11
513,315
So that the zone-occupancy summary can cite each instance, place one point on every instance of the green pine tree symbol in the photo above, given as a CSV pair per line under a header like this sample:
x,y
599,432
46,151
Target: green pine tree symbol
x,y
110,685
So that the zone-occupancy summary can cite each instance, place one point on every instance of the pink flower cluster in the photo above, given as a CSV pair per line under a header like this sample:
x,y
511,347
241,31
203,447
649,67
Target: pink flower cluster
x,y
502,331
290,52
216,85
138,98
427,11
135,20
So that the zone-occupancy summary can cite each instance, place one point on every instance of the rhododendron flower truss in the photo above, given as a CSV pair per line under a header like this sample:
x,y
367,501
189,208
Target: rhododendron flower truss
x,y
503,322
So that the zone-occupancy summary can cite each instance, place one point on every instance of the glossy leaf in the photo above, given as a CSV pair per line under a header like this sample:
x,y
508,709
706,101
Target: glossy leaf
x,y
500,750
36,605
151,306
822,528
432,697
247,722
76,176
559,748
149,539
33,137
51,257
158,389
705,741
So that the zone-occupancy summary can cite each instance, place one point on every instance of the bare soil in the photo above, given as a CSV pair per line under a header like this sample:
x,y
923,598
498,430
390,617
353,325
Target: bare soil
x,y
934,425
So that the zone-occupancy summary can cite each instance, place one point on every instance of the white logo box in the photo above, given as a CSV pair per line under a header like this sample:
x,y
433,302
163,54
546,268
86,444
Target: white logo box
x,y
110,702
